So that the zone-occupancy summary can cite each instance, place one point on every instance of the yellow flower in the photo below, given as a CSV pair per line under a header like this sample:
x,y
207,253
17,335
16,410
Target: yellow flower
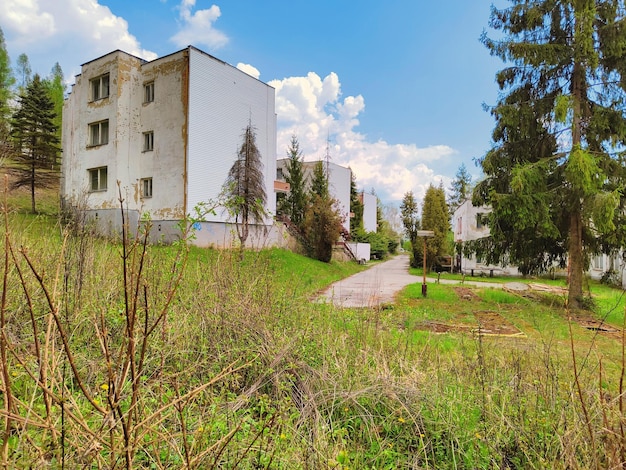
x,y
401,419
282,436
104,387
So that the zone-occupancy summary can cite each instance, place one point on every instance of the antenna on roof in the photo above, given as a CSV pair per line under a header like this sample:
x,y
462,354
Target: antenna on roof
x,y
327,157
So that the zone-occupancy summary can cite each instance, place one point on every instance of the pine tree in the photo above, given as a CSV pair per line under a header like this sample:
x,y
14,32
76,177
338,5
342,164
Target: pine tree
x,y
36,141
460,188
411,223
294,204
554,174
435,217
356,208
23,72
322,224
245,186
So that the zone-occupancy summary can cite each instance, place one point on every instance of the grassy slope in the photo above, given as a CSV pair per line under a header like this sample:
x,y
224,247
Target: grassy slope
x,y
321,387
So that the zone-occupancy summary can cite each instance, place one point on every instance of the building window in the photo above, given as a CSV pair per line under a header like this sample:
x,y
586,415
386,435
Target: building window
x,y
148,141
148,92
480,221
100,87
98,179
598,262
99,133
146,187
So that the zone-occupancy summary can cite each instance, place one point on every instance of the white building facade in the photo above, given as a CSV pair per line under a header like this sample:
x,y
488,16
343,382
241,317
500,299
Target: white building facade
x,y
370,205
339,179
167,131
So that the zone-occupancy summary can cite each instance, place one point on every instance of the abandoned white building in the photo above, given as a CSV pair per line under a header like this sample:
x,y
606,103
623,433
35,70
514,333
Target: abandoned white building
x,y
370,213
339,179
168,130
469,224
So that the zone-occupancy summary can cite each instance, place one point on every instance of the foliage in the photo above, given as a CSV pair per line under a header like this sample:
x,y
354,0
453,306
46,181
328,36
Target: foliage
x,y
56,90
554,174
6,83
460,189
35,139
23,72
356,206
411,224
294,203
322,220
245,187
435,217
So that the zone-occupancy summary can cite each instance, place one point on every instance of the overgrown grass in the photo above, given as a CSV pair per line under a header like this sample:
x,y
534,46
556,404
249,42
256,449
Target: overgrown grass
x,y
241,370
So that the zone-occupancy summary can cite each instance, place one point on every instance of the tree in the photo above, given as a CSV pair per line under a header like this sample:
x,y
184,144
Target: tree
x,y
411,223
35,138
56,89
435,217
554,173
6,83
460,189
294,204
245,186
23,72
322,224
356,207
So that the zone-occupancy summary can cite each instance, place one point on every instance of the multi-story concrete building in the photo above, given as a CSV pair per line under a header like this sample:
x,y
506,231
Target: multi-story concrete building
x,y
370,213
167,132
339,179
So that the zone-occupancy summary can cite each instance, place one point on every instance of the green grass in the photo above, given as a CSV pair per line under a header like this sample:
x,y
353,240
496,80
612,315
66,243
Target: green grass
x,y
301,384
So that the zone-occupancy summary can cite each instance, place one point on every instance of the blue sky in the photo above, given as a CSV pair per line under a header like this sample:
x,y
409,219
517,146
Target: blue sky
x,y
396,86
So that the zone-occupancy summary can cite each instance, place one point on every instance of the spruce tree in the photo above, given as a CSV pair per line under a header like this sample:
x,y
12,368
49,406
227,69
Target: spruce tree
x,y
356,208
435,217
555,172
322,223
35,139
245,186
293,205
56,89
460,188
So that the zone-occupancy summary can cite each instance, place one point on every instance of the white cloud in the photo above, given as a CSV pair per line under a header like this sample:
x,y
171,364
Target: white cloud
x,y
197,27
249,69
314,110
80,30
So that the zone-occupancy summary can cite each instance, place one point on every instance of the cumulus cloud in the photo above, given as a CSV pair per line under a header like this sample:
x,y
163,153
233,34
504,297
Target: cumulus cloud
x,y
249,69
197,27
315,111
80,29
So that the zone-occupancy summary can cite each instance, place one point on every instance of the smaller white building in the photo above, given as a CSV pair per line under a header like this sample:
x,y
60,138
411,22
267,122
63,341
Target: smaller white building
x,y
339,179
468,223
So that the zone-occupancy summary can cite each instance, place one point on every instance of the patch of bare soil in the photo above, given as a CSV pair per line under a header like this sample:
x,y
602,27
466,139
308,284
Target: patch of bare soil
x,y
465,293
487,324
604,329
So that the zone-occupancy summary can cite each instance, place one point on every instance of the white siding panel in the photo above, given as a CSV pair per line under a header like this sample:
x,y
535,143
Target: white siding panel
x,y
370,202
222,99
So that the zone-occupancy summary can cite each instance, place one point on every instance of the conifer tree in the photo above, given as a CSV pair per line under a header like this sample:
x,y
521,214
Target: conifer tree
x,y
35,138
460,188
554,174
356,208
245,186
23,72
56,89
322,223
435,217
293,205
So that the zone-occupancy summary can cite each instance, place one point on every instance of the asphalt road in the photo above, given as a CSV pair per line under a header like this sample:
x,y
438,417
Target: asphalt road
x,y
379,285
372,287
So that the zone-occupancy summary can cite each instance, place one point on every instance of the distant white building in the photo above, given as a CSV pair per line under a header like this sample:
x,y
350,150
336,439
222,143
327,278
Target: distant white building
x,y
469,224
168,130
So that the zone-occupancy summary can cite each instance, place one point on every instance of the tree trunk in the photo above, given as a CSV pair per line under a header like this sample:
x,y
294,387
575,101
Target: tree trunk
x,y
575,253
32,187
